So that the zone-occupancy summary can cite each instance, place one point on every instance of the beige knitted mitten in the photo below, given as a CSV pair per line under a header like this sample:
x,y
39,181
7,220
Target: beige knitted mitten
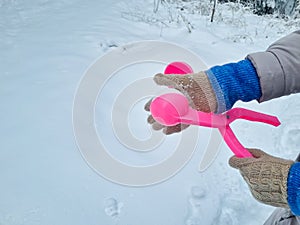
x,y
266,176
196,87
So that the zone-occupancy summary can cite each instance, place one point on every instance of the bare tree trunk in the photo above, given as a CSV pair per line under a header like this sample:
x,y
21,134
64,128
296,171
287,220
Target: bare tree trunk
x,y
213,11
156,5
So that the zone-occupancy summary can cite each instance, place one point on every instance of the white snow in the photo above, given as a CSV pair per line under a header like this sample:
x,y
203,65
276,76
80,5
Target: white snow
x,y
45,48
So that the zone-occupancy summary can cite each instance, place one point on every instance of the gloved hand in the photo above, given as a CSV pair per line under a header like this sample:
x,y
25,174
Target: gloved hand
x,y
196,87
266,176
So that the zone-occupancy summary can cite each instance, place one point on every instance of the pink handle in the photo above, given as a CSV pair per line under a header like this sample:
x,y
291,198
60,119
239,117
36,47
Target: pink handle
x,y
233,143
240,113
199,118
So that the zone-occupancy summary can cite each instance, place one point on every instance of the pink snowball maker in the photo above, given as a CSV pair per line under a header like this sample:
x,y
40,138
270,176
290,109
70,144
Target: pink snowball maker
x,y
172,109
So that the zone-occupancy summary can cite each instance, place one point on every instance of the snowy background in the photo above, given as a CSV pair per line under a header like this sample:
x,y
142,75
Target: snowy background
x,y
45,48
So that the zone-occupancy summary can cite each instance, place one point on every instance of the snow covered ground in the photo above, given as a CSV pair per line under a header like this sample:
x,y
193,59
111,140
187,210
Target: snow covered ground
x,y
45,48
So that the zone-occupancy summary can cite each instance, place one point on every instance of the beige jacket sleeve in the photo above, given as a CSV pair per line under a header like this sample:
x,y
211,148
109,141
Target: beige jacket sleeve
x,y
278,68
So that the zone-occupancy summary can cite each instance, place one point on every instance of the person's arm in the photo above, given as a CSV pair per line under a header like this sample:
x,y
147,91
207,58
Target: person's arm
x,y
266,176
293,188
278,68
271,180
278,71
261,76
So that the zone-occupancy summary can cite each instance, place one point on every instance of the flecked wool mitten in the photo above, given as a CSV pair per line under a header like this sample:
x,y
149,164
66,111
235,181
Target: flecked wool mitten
x,y
266,176
196,87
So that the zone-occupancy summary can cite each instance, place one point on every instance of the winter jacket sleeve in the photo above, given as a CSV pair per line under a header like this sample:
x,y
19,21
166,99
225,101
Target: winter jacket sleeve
x,y
232,82
278,68
293,188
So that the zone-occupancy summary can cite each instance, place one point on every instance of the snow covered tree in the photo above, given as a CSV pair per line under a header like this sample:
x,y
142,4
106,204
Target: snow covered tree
x,y
286,7
262,7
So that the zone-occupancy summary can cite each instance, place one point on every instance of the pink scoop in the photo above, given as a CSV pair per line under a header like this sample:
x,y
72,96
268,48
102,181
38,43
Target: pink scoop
x,y
172,109
178,68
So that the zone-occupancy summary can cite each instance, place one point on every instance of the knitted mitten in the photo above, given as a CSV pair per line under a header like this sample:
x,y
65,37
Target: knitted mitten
x,y
196,87
266,176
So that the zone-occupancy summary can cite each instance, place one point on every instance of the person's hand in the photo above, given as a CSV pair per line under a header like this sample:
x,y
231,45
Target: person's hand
x,y
196,87
265,175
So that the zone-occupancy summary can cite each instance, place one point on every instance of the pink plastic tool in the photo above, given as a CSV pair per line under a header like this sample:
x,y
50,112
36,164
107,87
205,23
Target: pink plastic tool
x,y
178,68
172,109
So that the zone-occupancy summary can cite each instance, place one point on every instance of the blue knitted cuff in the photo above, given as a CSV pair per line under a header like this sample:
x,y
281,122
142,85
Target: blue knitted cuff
x,y
293,188
232,82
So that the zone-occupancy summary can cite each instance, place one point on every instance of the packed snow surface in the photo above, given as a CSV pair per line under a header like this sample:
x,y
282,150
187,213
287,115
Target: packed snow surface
x,y
45,48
